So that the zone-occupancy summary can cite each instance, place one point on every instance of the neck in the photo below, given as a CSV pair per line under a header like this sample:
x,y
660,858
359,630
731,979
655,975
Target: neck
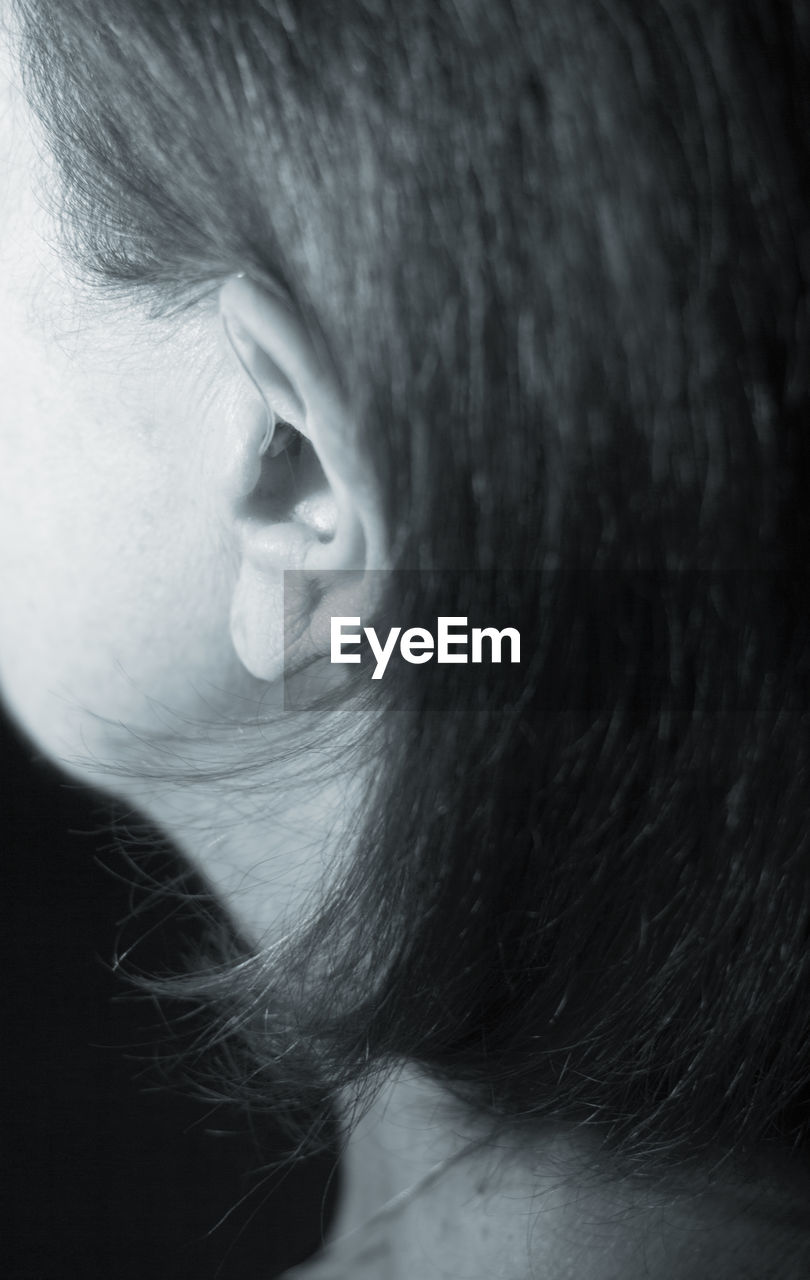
x,y
268,841
418,1194
425,1196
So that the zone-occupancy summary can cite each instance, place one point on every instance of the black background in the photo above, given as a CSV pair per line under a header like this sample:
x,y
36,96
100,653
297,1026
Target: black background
x,y
110,1168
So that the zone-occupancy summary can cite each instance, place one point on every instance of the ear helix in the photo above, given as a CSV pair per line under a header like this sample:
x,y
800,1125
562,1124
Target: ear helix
x,y
273,420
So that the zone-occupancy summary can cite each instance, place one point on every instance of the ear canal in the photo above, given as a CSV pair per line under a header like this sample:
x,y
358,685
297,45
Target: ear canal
x,y
284,438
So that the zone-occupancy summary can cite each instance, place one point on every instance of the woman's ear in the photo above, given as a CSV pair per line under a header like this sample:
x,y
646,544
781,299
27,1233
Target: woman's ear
x,y
308,520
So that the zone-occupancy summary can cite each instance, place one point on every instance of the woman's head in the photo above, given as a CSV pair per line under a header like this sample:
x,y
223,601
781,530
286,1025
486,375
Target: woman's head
x,y
531,278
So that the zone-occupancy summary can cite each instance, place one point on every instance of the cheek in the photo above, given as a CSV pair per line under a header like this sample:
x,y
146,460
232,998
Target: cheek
x,y
114,581
115,576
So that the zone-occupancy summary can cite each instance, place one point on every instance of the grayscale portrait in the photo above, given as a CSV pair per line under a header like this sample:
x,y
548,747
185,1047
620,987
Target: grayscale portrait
x,y
405,529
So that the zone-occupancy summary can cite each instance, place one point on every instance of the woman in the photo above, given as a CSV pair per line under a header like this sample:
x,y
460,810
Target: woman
x,y
486,312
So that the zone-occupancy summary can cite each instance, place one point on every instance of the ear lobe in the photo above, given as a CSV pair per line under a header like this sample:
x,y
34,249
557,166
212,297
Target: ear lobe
x,y
313,505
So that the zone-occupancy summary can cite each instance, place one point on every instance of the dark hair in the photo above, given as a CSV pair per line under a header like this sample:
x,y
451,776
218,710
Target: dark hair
x,y
558,253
